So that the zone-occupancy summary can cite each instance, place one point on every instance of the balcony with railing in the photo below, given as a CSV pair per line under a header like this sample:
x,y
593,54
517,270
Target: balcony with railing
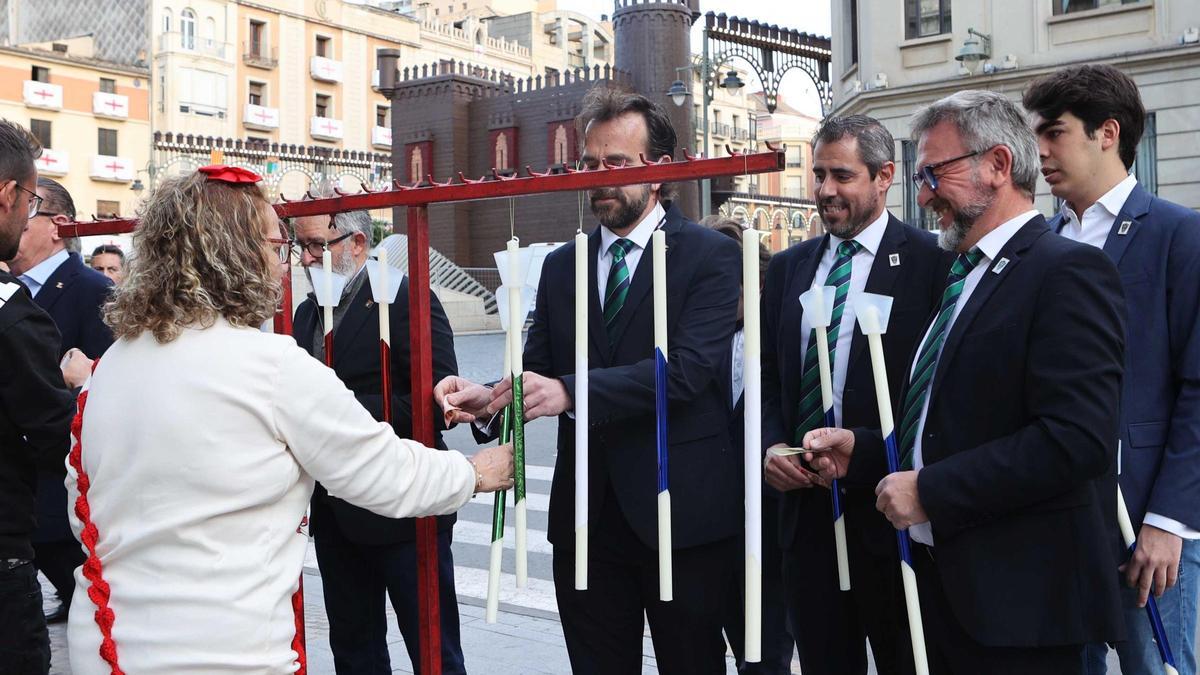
x,y
381,137
326,129
114,169
260,117
260,55
325,69
42,95
53,162
112,106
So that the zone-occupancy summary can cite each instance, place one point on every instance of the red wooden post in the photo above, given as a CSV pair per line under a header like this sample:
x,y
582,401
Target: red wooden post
x,y
421,358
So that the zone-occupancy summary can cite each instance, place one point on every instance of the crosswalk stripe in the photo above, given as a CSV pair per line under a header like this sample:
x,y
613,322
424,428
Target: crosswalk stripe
x,y
538,593
536,472
534,501
470,532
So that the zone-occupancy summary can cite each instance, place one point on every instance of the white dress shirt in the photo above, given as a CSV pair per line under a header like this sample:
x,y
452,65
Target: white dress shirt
x,y
640,236
860,269
202,454
1093,229
35,277
990,244
738,374
1097,220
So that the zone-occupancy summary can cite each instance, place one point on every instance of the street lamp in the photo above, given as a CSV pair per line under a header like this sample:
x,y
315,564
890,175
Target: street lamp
x,y
974,50
678,93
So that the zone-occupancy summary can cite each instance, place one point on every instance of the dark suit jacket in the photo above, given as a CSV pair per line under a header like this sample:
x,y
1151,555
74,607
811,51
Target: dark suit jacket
x,y
35,414
72,296
916,284
703,273
1159,261
1021,426
356,362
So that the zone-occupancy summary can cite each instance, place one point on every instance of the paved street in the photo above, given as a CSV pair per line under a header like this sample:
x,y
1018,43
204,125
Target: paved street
x,y
527,637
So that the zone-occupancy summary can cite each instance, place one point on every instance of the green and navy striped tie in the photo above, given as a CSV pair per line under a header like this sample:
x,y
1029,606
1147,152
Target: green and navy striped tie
x,y
922,374
812,410
618,284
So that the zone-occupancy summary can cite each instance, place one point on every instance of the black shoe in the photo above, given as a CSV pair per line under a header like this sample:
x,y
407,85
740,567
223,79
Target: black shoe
x,y
59,615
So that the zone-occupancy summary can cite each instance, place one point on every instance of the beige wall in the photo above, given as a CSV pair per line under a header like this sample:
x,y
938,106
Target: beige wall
x,y
74,127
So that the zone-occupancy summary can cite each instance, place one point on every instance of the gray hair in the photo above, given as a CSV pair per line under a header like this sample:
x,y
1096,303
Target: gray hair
x,y
986,119
876,146
347,221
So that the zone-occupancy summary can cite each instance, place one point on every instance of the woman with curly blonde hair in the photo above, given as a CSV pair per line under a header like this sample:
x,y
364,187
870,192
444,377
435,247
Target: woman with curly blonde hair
x,y
198,441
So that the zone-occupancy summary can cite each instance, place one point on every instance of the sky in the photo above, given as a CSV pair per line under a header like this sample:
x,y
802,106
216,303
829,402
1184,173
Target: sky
x,y
810,16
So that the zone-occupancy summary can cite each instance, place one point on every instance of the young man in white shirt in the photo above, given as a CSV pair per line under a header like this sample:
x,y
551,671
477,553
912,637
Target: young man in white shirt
x,y
1089,120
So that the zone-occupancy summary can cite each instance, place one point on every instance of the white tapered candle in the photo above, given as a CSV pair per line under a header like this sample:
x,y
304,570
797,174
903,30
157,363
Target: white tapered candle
x,y
581,411
752,396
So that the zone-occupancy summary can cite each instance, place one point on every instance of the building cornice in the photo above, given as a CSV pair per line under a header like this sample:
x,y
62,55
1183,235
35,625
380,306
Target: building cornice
x,y
920,92
78,61
312,19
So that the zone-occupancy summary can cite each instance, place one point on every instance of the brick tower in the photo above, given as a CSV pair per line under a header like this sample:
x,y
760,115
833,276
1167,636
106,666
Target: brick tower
x,y
653,39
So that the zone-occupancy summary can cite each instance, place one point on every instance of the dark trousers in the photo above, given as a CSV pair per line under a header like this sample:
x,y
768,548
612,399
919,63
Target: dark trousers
x,y
355,579
831,626
777,643
603,625
24,642
953,652
58,560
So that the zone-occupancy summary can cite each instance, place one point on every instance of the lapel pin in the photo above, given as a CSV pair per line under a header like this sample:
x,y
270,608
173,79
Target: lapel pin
x,y
1124,228
1000,265
370,304
894,260
58,285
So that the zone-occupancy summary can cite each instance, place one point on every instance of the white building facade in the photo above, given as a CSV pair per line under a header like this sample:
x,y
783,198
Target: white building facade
x,y
891,58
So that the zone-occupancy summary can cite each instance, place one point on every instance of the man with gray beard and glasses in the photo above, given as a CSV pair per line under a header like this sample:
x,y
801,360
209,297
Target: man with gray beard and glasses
x,y
866,250
1008,413
365,557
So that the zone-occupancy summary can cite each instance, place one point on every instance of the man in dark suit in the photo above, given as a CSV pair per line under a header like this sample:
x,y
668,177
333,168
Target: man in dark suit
x,y
1089,120
364,556
866,249
603,625
72,294
1008,413
777,645
35,415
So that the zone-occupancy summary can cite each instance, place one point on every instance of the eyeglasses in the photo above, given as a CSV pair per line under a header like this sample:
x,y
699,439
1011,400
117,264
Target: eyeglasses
x,y
35,200
316,248
285,248
925,174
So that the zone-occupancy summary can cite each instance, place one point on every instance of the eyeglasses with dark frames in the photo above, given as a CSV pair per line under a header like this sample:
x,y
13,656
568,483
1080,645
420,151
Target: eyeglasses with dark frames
x,y
35,201
316,248
926,176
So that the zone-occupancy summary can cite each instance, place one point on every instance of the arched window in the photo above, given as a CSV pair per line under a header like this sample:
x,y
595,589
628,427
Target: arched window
x,y
187,29
479,37
166,20
210,31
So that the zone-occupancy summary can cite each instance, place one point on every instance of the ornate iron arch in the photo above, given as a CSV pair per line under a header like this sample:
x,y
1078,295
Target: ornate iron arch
x,y
771,52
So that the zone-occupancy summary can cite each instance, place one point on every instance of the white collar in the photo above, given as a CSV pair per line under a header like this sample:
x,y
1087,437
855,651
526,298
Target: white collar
x,y
993,241
640,235
869,238
1112,201
42,271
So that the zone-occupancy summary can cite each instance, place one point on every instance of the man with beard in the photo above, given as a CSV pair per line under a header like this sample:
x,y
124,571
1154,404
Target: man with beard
x,y
1008,413
866,249
603,625
1089,120
35,414
365,557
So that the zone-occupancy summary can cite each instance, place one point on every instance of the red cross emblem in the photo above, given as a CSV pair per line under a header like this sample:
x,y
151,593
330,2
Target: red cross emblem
x,y
47,159
114,104
114,166
327,127
261,116
43,93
